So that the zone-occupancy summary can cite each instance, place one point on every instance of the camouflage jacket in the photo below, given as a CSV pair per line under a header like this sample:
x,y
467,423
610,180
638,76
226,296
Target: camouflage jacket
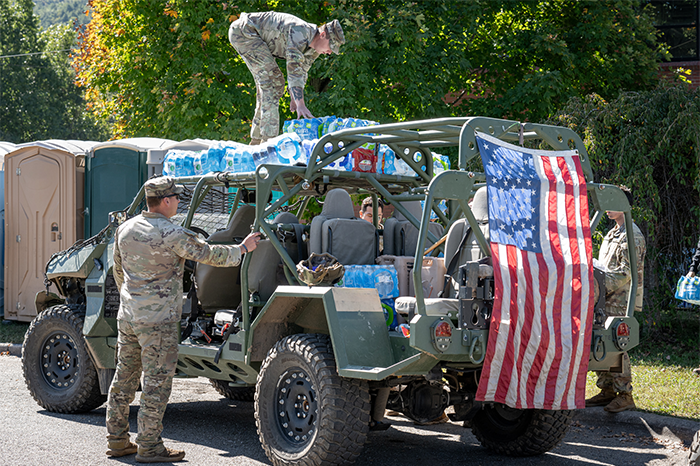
x,y
613,254
149,262
288,38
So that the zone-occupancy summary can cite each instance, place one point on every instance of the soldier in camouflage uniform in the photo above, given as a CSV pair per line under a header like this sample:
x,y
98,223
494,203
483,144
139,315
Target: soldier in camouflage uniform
x,y
149,257
260,38
616,388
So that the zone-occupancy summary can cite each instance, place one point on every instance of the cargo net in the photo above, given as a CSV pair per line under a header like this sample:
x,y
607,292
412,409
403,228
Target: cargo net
x,y
213,212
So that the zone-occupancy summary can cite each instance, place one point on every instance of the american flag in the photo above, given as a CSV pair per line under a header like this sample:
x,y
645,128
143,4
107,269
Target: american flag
x,y
540,329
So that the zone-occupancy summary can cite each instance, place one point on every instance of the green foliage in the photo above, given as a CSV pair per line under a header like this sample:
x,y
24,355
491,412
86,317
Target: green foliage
x,y
649,141
37,94
168,69
61,12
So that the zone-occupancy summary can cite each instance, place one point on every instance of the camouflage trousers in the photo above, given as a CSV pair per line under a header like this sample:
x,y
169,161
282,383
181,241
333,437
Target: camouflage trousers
x,y
151,349
620,382
269,80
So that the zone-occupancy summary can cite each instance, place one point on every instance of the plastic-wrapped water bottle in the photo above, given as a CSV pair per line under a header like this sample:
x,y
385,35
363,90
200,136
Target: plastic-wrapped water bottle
x,y
349,276
440,163
325,122
264,154
188,163
216,152
386,161
232,160
386,281
307,147
246,161
288,148
201,163
169,163
179,162
305,128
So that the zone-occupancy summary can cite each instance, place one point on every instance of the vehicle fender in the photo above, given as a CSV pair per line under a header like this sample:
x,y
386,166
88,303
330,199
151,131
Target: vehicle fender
x,y
353,317
46,299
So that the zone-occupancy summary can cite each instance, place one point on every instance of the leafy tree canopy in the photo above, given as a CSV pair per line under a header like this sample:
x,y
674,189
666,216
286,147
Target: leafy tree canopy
x,y
38,97
167,69
649,141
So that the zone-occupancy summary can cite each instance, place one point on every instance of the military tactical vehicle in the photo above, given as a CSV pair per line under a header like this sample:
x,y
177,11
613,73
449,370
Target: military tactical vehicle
x,y
320,362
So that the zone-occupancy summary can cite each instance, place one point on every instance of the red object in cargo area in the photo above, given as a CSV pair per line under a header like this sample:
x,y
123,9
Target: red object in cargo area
x,y
364,160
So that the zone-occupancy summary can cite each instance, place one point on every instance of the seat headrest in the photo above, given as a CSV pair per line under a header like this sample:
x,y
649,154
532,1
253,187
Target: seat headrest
x,y
239,226
480,205
338,205
286,217
413,207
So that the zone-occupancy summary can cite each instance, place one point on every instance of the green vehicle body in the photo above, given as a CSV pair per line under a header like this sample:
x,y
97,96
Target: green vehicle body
x,y
353,319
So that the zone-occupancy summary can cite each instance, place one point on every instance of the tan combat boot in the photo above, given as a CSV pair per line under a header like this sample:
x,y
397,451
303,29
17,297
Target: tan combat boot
x,y
605,396
622,402
696,371
255,141
167,455
118,448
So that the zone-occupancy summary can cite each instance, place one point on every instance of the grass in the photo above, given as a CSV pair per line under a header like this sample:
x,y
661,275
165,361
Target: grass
x,y
12,332
662,376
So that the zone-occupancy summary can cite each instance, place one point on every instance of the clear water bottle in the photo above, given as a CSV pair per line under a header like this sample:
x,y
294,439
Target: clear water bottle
x,y
385,281
265,154
349,276
216,153
169,163
307,147
386,160
232,160
392,320
246,163
201,162
188,163
179,163
287,147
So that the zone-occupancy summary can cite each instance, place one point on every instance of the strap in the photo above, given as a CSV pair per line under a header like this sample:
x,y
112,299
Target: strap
x,y
453,260
299,233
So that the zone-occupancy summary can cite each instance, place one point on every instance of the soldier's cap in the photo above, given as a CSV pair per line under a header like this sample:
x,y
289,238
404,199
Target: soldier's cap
x,y
163,186
335,35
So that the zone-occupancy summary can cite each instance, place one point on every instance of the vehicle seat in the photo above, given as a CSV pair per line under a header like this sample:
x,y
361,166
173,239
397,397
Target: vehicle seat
x,y
338,232
265,271
401,237
220,287
470,251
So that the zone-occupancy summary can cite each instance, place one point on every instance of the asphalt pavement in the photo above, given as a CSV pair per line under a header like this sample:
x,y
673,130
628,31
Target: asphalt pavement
x,y
217,431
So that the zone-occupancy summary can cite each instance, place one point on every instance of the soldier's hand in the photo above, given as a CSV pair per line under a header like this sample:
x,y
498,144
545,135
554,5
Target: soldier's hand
x,y
690,274
302,111
251,241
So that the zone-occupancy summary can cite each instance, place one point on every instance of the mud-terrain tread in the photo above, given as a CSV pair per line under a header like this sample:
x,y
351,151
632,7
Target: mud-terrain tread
x,y
86,395
223,388
694,453
544,431
344,404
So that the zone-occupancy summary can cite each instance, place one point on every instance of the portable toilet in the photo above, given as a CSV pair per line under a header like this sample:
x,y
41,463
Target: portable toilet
x,y
114,173
155,157
5,147
43,207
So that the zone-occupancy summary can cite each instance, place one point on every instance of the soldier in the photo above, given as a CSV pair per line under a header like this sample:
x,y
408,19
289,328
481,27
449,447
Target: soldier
x,y
149,257
616,388
260,38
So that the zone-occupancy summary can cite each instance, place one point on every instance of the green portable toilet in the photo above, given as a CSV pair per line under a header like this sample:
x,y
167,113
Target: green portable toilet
x,y
114,173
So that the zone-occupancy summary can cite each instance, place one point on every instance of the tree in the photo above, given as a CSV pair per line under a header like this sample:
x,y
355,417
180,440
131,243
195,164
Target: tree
x,y
168,70
38,98
650,142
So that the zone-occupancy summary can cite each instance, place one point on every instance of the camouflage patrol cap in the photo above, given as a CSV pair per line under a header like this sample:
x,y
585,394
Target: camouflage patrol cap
x,y
335,35
162,186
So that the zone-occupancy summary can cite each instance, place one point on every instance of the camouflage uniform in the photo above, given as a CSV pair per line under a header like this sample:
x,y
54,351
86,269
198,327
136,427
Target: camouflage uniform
x,y
613,254
260,38
149,258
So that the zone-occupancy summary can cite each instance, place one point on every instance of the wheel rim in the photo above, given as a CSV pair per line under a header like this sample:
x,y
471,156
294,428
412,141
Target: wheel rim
x,y
59,361
297,407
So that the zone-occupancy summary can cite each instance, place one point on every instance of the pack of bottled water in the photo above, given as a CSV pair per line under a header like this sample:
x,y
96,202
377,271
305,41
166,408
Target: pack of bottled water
x,y
179,163
238,158
383,278
306,128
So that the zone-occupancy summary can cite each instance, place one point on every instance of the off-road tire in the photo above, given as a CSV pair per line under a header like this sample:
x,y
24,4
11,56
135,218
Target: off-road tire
x,y
57,368
233,393
524,432
300,392
694,454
